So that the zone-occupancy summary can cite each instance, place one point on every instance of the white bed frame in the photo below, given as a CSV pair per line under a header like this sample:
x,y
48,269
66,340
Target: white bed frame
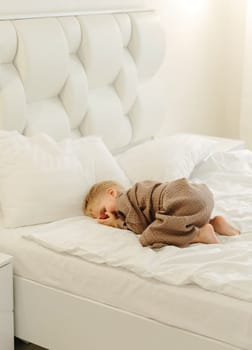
x,y
113,73
58,320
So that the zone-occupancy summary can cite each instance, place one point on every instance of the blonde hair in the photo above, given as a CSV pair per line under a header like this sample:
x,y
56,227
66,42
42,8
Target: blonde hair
x,y
95,193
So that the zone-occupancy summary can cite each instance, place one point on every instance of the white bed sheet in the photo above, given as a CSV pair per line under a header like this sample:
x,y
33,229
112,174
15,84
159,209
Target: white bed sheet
x,y
188,307
224,268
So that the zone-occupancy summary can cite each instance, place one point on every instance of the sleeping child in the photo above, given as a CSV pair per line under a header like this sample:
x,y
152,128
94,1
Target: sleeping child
x,y
171,213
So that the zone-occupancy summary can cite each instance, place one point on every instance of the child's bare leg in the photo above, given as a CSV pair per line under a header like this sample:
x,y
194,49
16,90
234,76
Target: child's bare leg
x,y
222,227
206,235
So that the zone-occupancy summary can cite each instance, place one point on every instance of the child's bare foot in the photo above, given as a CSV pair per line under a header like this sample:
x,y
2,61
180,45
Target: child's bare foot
x,y
222,227
206,235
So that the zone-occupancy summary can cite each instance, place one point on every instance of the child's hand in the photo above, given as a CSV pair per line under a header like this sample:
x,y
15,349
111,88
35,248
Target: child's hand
x,y
109,221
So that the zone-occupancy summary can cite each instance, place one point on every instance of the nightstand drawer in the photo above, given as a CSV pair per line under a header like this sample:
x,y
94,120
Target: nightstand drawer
x,y
6,288
6,331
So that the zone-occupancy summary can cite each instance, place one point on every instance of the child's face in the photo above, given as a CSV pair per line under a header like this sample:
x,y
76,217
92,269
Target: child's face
x,y
105,205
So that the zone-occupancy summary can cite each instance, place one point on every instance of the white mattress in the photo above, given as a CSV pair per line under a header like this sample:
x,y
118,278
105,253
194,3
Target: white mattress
x,y
189,308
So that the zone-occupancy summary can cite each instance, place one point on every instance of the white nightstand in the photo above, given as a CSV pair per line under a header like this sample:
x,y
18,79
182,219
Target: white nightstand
x,y
6,303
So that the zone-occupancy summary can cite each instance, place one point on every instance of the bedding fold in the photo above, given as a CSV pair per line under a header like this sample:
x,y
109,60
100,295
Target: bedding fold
x,y
224,268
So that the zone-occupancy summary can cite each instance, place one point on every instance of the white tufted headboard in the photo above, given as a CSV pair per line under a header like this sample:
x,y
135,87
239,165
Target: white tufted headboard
x,y
81,75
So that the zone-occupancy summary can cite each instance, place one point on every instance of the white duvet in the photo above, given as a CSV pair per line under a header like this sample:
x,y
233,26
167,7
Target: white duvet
x,y
224,268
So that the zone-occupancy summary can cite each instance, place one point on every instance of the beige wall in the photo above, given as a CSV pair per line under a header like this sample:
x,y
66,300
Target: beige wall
x,y
234,58
246,97
203,66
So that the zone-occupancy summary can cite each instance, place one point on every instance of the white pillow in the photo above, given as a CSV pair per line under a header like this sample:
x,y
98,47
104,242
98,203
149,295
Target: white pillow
x,y
40,180
165,158
92,148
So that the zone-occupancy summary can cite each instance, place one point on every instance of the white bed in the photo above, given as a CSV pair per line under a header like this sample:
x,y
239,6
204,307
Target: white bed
x,y
58,69
139,302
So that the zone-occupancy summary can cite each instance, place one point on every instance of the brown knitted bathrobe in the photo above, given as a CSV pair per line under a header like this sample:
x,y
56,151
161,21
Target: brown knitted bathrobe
x,y
164,213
